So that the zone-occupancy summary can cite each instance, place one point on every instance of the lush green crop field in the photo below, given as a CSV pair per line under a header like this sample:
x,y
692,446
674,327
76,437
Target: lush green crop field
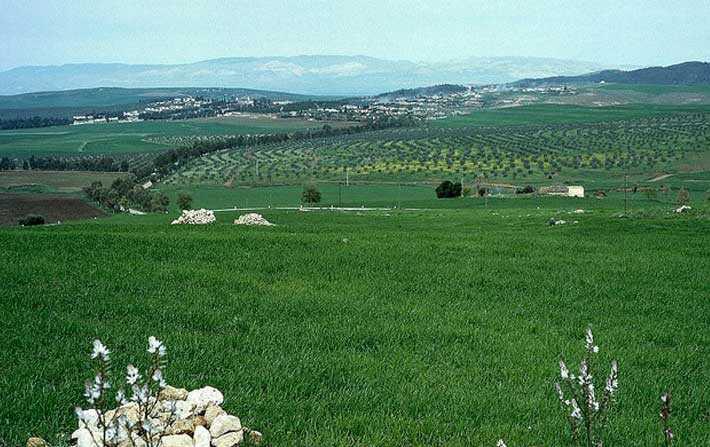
x,y
656,89
562,114
413,196
115,138
415,328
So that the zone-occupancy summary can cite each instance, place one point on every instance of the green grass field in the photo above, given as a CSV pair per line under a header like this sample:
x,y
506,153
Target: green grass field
x,y
54,181
411,328
146,136
551,114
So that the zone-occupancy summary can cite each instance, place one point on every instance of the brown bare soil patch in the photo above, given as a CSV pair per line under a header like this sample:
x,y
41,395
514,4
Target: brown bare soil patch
x,y
54,207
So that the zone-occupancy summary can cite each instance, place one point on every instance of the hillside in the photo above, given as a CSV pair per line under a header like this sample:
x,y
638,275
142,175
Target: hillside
x,y
321,75
687,73
112,96
442,89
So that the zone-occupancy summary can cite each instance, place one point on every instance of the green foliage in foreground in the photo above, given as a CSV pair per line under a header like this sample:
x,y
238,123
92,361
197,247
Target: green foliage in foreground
x,y
426,328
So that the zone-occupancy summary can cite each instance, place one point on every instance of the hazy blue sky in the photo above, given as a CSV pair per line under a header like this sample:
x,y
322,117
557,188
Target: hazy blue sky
x,y
34,32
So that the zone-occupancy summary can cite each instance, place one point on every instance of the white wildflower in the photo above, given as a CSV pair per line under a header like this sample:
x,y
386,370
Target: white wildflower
x,y
132,375
576,412
156,346
584,375
560,394
92,391
564,372
111,433
501,443
612,382
592,402
100,351
101,382
591,347
150,426
141,394
158,377
121,397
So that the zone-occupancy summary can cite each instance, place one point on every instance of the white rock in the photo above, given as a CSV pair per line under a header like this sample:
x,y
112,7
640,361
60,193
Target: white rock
x,y
229,440
88,419
195,217
136,442
130,410
212,412
252,219
180,409
224,424
255,437
83,438
202,437
172,393
176,441
683,209
202,397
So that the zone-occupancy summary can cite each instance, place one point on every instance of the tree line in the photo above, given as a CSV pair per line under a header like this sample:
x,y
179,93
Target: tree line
x,y
33,122
125,193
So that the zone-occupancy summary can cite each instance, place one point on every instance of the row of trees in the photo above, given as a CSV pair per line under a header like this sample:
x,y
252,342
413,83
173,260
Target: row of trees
x,y
7,164
171,160
125,193
32,122
91,163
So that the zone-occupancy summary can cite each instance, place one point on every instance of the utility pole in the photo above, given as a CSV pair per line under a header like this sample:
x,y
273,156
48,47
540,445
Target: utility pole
x,y
257,167
340,194
626,191
399,195
461,183
347,177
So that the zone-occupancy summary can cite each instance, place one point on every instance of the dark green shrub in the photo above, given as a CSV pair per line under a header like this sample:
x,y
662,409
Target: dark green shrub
x,y
184,201
527,189
448,189
31,219
310,194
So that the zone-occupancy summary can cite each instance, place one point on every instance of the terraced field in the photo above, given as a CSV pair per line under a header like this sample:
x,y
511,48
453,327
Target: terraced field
x,y
522,153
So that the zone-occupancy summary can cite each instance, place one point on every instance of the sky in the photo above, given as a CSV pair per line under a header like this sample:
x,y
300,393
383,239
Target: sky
x,y
609,32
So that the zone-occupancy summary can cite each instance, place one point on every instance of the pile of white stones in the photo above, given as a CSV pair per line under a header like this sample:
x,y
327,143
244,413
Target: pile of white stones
x,y
182,418
252,219
195,217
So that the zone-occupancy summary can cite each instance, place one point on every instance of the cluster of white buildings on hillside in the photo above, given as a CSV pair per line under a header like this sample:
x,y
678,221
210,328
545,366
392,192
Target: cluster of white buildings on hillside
x,y
127,117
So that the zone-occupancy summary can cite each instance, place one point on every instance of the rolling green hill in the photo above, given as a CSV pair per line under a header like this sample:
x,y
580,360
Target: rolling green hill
x,y
687,73
111,96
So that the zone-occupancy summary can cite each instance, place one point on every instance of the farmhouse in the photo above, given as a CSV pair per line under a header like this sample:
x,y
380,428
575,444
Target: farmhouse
x,y
563,190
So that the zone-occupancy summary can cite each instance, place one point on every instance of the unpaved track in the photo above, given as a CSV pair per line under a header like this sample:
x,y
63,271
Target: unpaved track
x,y
660,177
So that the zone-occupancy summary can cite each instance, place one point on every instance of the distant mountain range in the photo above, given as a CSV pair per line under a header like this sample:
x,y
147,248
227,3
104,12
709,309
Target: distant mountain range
x,y
312,75
687,73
